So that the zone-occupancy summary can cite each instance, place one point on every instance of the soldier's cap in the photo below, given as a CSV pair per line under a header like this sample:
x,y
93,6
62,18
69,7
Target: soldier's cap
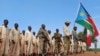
x,y
29,26
67,22
5,20
75,26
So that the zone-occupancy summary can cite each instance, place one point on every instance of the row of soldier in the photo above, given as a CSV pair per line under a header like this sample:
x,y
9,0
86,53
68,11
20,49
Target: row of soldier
x,y
14,43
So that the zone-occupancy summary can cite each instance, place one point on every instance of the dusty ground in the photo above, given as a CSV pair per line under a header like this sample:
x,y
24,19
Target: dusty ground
x,y
87,54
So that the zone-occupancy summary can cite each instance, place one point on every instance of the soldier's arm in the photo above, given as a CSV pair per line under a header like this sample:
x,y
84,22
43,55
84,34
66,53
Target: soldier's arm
x,y
39,32
26,39
60,40
66,31
75,35
53,37
33,40
0,31
12,36
20,38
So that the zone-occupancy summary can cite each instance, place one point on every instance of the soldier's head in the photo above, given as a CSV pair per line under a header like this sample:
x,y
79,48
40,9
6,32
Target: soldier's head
x,y
75,28
57,30
29,28
85,29
70,37
6,22
49,31
33,33
67,23
23,32
16,25
43,26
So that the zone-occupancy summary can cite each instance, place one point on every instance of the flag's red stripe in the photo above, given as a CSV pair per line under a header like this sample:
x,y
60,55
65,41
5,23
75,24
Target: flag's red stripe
x,y
88,40
94,26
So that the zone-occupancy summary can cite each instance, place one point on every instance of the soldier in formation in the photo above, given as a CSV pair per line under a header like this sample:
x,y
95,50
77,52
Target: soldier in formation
x,y
15,46
4,40
57,37
43,40
67,36
27,43
75,38
22,43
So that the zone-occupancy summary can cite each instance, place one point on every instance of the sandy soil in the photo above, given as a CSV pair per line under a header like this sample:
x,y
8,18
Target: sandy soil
x,y
87,54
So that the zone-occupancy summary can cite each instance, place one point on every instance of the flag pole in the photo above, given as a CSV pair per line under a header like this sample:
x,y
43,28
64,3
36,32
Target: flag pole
x,y
77,11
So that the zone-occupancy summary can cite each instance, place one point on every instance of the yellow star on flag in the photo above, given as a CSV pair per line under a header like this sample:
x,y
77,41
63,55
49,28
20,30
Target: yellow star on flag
x,y
81,14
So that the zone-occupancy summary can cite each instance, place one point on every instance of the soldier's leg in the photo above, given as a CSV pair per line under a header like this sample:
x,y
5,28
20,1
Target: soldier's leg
x,y
47,47
75,47
59,50
40,55
65,49
36,50
21,51
13,51
68,48
35,53
2,49
52,50
25,50
23,54
72,48
33,49
41,48
80,49
43,51
55,50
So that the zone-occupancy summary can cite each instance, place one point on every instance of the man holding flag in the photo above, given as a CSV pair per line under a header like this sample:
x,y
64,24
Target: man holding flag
x,y
75,38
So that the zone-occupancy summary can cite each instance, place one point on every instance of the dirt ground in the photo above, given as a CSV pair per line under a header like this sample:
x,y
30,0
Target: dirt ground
x,y
87,54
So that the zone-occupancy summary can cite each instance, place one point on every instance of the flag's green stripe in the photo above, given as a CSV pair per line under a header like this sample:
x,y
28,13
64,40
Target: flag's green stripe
x,y
85,24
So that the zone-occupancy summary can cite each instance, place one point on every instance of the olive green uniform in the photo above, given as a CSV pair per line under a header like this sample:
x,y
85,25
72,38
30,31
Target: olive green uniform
x,y
66,38
57,37
43,41
75,38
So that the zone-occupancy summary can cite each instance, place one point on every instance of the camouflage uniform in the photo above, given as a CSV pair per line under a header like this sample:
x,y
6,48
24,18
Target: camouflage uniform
x,y
67,43
57,37
43,41
66,38
75,38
